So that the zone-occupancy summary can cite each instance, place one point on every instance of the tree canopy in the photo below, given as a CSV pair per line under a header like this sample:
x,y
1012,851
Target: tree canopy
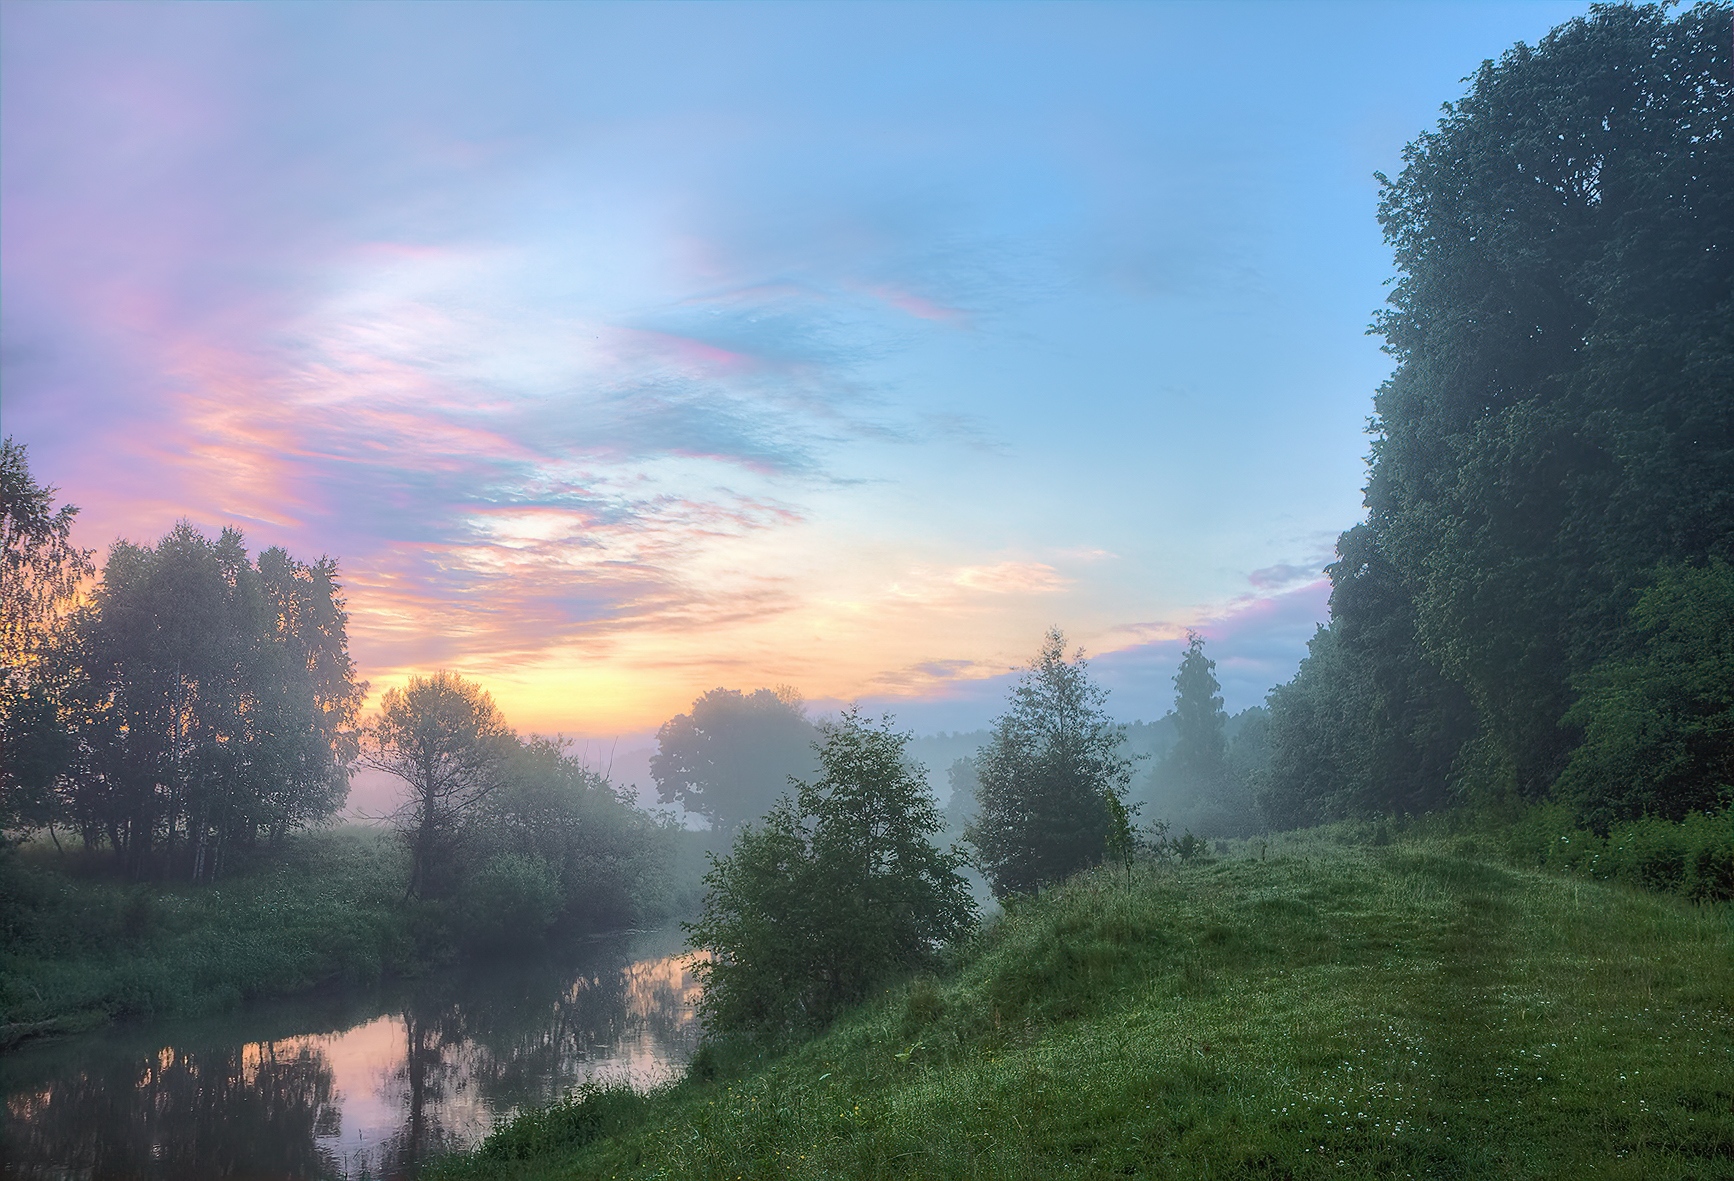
x,y
446,740
209,699
839,886
1559,428
1045,776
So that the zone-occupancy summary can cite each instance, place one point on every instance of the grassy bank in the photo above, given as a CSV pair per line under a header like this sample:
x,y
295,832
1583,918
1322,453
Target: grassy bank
x,y
1417,1009
79,948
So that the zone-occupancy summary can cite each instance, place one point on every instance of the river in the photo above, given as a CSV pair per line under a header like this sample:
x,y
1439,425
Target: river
x,y
361,1083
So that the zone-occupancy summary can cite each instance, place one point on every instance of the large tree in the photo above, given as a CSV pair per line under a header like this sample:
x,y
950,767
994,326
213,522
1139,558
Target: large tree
x,y
1047,775
40,571
446,740
215,700
1561,418
838,888
1558,433
734,754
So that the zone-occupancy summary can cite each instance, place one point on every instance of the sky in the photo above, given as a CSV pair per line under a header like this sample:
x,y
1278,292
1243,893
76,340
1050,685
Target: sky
x,y
620,352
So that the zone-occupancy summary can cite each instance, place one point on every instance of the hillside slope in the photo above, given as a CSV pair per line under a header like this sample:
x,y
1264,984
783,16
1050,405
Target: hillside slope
x,y
1413,1010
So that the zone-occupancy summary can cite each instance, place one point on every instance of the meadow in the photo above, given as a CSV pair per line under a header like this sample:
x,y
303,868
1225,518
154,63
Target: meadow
x,y
1313,1005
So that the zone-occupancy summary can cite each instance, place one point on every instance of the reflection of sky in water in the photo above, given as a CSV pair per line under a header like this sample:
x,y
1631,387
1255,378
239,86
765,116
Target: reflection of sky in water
x,y
373,1093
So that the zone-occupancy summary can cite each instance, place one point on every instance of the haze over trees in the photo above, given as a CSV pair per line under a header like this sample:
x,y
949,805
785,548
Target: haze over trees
x,y
200,701
734,754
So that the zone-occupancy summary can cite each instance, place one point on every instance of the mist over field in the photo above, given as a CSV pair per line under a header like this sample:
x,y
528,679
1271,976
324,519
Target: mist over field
x,y
867,590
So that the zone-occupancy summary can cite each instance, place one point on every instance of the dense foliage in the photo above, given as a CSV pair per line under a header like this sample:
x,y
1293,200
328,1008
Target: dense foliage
x,y
734,755
195,701
1558,434
837,889
1046,777
1658,715
40,570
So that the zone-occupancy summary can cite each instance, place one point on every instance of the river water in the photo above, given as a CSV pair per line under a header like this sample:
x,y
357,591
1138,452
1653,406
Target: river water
x,y
366,1083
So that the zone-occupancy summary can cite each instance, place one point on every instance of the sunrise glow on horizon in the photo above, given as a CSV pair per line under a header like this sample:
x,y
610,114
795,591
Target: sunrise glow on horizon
x,y
621,352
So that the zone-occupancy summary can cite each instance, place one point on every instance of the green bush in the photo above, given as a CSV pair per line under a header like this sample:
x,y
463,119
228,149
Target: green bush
x,y
1659,723
832,893
515,897
1693,857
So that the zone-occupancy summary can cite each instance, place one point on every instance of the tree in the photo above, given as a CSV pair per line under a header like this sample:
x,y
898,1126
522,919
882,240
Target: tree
x,y
211,701
837,889
40,570
1369,725
1212,799
1046,775
1559,420
607,859
734,755
443,736
1199,757
1658,719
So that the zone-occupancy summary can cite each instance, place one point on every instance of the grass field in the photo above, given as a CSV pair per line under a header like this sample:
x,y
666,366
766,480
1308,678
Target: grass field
x,y
1413,1010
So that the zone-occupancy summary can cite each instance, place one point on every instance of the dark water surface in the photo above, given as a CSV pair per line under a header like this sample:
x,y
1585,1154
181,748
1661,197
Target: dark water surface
x,y
365,1083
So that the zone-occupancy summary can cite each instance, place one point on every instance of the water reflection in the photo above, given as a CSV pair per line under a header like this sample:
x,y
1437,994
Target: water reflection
x,y
359,1085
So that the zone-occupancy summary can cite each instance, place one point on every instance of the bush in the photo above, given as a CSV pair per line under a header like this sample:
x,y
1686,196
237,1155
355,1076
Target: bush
x,y
837,889
515,897
1659,724
1693,857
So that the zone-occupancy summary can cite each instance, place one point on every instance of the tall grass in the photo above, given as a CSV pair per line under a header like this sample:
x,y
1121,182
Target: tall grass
x,y
1408,1010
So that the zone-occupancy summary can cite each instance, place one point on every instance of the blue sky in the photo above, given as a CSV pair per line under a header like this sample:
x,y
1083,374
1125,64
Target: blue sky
x,y
621,351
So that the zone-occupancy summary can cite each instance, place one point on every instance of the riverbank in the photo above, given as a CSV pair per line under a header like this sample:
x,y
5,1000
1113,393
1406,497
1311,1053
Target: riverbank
x,y
80,948
1301,1008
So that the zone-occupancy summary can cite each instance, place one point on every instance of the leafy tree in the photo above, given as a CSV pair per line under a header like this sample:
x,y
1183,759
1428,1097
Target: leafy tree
x,y
838,888
1046,775
443,736
212,700
607,860
40,570
1199,757
1558,423
1658,721
1196,771
734,755
1370,725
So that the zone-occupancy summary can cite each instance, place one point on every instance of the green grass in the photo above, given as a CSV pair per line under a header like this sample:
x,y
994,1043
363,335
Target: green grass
x,y
1411,1010
79,948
